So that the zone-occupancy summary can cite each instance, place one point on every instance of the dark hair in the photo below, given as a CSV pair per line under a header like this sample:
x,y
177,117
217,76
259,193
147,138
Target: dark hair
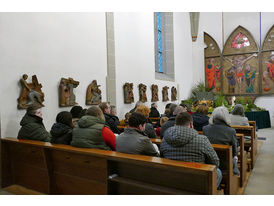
x,y
136,119
64,118
76,111
172,107
103,106
167,106
187,106
183,119
33,108
83,112
238,110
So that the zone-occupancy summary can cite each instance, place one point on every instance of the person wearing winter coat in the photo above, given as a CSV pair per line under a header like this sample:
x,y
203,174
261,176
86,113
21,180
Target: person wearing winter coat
x,y
133,140
61,131
153,111
182,142
32,127
200,117
91,132
238,116
111,121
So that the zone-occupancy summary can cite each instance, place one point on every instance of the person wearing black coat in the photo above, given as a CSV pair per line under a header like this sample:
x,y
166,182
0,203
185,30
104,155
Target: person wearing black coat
x,y
200,117
111,121
61,131
153,111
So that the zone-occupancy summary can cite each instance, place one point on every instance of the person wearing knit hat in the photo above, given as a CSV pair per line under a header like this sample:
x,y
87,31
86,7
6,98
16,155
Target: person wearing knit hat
x,y
61,131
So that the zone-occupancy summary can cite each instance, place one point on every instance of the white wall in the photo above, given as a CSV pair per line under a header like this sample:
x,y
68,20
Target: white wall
x,y
212,24
51,46
134,51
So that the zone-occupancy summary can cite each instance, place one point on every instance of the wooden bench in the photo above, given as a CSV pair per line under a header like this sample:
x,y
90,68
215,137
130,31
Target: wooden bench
x,y
63,169
251,132
242,160
223,151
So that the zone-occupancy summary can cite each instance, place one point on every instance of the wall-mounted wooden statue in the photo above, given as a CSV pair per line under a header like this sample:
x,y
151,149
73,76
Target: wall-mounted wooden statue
x,y
66,95
30,93
128,93
93,96
173,94
154,93
142,93
165,93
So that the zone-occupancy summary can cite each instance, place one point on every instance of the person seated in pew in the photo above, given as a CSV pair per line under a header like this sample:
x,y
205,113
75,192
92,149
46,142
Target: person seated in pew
x,y
133,140
138,103
219,131
153,110
113,112
149,129
182,142
32,127
174,111
76,112
238,118
124,122
61,131
111,121
91,132
187,107
200,117
83,113
158,129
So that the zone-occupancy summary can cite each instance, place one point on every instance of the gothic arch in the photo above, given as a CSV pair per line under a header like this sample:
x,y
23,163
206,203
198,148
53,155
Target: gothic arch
x,y
267,63
212,64
240,64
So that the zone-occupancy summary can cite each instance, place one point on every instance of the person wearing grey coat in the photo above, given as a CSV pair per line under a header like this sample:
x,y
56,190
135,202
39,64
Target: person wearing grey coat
x,y
133,140
238,116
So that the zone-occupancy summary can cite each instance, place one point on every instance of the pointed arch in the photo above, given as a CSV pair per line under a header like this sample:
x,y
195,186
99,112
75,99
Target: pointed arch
x,y
267,63
212,64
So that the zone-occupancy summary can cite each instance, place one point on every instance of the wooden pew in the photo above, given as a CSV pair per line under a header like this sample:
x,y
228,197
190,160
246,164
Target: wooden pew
x,y
242,159
63,169
223,151
249,131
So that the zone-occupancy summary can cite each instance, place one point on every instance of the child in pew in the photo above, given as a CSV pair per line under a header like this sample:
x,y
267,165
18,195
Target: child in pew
x,y
124,122
91,131
61,131
219,131
32,127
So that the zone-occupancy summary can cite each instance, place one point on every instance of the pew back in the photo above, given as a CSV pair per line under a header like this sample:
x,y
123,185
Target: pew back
x,y
63,169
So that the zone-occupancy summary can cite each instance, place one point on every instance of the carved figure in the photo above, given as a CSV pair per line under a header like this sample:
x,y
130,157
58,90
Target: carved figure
x,y
142,93
66,95
165,93
128,93
173,94
269,74
93,94
238,64
30,93
154,95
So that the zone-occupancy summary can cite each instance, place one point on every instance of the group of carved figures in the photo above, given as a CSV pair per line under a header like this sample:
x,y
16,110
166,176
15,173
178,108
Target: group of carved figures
x,y
31,93
129,97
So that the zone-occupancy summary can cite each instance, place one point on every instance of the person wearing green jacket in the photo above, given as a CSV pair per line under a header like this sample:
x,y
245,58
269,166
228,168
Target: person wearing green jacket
x,y
32,127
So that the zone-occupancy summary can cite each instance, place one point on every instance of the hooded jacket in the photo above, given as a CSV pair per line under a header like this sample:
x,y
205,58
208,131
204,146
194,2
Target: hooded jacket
x,y
183,143
33,129
112,122
199,120
88,133
61,134
169,123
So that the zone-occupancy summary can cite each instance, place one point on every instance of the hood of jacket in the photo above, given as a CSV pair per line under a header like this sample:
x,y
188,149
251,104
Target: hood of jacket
x,y
89,121
59,129
31,119
178,136
200,118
